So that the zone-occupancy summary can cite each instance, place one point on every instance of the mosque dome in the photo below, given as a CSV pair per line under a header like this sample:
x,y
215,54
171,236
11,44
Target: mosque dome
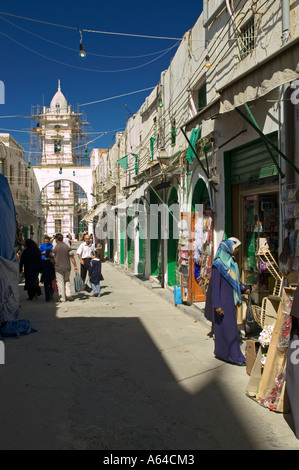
x,y
59,102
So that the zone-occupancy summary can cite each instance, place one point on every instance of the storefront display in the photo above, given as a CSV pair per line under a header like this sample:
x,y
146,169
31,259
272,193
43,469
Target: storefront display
x,y
203,250
267,381
260,222
289,256
195,255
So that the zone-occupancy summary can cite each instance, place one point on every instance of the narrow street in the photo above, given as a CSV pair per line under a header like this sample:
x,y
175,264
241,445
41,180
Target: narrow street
x,y
126,371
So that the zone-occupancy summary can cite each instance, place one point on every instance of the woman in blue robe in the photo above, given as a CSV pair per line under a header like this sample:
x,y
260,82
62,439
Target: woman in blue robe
x,y
224,293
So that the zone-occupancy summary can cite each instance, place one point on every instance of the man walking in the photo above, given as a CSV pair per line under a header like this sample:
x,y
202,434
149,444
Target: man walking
x,y
63,257
84,253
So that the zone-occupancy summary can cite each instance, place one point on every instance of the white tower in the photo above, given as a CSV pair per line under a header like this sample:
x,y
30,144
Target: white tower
x,y
59,133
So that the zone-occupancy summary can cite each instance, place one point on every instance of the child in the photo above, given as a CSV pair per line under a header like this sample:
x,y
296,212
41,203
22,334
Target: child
x,y
95,273
48,274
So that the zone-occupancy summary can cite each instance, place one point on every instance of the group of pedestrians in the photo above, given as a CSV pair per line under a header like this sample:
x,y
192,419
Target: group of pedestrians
x,y
54,264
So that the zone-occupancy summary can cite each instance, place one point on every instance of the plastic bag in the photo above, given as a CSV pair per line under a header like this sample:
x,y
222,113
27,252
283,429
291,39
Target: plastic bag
x,y
79,284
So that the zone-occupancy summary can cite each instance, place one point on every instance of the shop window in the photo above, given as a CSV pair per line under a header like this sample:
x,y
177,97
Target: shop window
x,y
246,41
260,224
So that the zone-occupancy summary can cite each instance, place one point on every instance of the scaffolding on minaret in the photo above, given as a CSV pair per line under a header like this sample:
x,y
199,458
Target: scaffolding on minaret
x,y
77,126
59,140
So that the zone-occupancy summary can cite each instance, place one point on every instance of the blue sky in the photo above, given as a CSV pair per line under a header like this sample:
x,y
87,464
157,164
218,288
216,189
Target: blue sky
x,y
31,64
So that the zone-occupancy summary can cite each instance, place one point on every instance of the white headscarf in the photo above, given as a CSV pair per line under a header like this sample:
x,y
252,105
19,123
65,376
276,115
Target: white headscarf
x,y
237,242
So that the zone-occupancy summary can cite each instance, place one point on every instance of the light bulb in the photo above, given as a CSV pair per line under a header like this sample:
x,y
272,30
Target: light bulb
x,y
208,63
82,53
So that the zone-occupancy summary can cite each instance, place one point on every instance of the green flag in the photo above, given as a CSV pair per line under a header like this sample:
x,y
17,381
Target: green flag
x,y
195,135
123,162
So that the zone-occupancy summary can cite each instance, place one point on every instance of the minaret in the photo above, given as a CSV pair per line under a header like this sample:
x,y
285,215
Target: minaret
x,y
59,131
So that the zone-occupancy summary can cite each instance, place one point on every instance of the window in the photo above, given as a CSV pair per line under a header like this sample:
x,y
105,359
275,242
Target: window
x,y
173,133
57,146
246,41
57,225
57,106
19,173
57,187
202,97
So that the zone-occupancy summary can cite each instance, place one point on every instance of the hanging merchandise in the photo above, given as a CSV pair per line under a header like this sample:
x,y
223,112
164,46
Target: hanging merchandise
x,y
267,383
203,250
289,257
183,255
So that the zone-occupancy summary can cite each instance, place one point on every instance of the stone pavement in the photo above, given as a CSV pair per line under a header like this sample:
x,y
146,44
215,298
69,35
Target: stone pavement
x,y
126,371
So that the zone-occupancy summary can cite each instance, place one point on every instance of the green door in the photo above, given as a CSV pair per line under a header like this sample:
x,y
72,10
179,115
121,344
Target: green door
x,y
130,242
122,239
200,194
172,245
142,240
156,239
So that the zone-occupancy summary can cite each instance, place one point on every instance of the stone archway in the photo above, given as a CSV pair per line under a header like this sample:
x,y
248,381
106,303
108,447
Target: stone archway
x,y
82,176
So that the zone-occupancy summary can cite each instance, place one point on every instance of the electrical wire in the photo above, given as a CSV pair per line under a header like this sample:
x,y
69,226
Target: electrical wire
x,y
76,50
83,68
195,74
89,30
117,96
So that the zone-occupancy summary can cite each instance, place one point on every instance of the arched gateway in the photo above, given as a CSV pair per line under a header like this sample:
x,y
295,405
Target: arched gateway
x,y
61,165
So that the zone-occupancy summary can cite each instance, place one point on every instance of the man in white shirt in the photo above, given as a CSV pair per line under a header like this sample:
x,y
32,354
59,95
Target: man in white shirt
x,y
84,253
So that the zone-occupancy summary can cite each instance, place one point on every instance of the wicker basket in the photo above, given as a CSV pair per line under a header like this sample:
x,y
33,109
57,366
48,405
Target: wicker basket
x,y
259,314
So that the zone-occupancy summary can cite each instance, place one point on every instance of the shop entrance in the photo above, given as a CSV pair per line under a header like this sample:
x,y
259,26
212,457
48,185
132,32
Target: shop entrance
x,y
260,224
255,220
252,209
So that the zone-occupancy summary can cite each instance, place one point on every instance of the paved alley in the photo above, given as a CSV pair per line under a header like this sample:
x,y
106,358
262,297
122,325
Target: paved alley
x,y
126,371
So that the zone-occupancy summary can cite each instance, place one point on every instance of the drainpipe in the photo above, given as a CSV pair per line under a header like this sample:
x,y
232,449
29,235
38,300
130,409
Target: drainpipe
x,y
285,17
208,20
232,16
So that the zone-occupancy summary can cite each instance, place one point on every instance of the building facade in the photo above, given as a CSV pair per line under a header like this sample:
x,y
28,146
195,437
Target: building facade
x,y
23,186
217,139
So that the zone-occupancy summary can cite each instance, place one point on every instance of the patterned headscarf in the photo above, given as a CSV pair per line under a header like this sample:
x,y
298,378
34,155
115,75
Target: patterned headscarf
x,y
228,267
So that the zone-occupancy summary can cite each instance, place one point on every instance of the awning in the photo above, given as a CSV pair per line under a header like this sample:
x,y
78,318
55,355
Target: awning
x,y
272,72
90,215
135,195
24,217
210,111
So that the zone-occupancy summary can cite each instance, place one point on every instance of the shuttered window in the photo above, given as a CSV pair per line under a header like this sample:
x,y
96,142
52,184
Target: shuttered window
x,y
251,161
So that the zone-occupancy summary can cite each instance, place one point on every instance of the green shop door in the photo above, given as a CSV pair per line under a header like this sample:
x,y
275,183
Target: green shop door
x,y
155,242
130,242
122,221
172,245
142,238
